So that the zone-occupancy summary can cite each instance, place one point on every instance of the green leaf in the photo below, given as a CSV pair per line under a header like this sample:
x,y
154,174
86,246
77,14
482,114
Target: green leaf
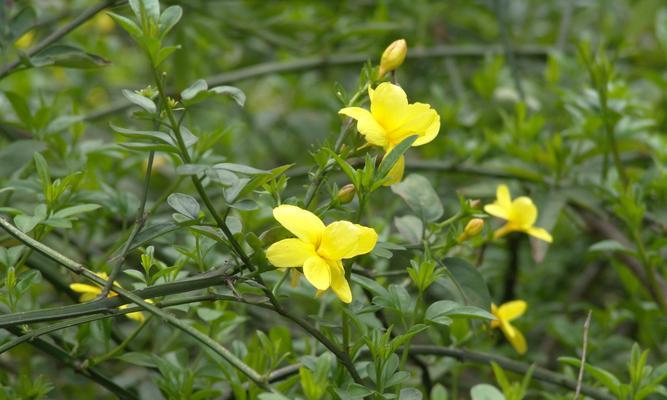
x,y
141,101
168,19
141,146
467,283
347,168
127,24
443,311
21,107
74,210
43,172
149,9
150,136
191,92
272,396
410,228
140,359
68,57
27,223
234,92
184,204
661,28
610,246
390,159
354,391
606,378
438,392
420,197
240,168
485,391
22,22
410,394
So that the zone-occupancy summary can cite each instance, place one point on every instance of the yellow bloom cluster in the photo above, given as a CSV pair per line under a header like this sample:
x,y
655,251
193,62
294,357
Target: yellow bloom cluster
x,y
90,292
320,249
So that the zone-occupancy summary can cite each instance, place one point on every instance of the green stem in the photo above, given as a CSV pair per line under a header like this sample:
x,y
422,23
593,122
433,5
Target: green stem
x,y
130,296
649,268
64,357
118,349
139,223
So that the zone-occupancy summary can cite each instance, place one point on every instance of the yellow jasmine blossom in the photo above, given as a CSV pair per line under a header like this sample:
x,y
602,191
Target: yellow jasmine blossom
x,y
520,214
319,249
391,119
506,313
90,292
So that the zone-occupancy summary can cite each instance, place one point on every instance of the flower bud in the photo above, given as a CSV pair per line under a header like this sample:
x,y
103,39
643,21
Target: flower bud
x,y
473,228
393,56
346,193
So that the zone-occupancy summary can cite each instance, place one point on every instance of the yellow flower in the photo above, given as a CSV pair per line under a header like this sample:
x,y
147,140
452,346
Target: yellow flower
x,y
520,214
392,119
90,292
25,40
319,249
508,312
393,56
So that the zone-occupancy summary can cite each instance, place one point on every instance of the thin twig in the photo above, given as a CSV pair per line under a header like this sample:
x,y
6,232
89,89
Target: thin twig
x,y
580,378
64,357
308,63
58,34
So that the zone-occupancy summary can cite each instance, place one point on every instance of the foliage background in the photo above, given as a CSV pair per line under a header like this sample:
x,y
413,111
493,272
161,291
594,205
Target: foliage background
x,y
518,106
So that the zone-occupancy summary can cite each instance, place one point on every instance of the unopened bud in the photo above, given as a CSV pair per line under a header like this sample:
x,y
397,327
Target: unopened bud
x,y
393,56
472,229
474,203
346,193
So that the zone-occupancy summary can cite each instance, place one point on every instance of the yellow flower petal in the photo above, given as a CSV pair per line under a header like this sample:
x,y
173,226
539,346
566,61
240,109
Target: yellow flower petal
x,y
389,105
339,284
83,288
420,120
515,337
503,197
540,233
304,224
373,132
395,174
339,240
494,310
88,297
497,211
512,310
290,253
317,272
366,241
504,230
523,212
